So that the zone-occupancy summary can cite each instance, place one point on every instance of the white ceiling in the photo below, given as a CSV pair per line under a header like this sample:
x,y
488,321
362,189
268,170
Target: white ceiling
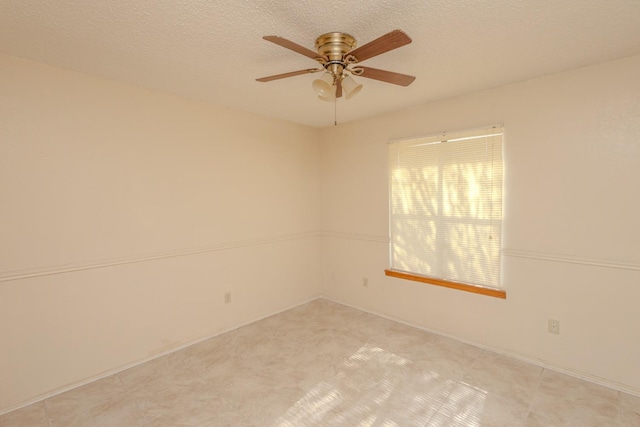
x,y
213,49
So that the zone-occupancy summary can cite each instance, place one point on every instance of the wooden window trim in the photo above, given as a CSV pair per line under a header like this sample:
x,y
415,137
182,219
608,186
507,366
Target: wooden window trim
x,y
496,293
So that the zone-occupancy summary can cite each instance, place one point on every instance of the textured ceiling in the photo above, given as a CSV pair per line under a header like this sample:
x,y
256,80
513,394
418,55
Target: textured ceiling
x,y
213,49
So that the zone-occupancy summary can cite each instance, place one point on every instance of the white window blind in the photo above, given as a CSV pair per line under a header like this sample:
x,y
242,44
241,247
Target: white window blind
x,y
446,206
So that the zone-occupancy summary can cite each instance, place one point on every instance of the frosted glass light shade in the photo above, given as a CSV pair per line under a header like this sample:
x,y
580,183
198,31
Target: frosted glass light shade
x,y
327,98
350,87
324,86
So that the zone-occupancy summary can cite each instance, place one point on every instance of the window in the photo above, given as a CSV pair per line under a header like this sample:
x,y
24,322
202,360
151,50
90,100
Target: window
x,y
445,210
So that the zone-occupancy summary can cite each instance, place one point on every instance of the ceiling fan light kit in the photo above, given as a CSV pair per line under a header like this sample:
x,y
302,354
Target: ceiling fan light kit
x,y
324,86
339,59
350,87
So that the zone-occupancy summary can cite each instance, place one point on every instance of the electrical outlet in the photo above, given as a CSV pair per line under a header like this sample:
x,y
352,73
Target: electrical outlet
x,y
554,326
365,282
227,297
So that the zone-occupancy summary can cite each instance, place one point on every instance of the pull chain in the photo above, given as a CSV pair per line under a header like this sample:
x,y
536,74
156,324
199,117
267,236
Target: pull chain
x,y
335,111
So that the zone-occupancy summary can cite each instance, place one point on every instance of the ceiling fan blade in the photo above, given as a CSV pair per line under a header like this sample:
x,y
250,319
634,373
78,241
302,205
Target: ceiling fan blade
x,y
290,74
338,88
386,76
293,46
390,41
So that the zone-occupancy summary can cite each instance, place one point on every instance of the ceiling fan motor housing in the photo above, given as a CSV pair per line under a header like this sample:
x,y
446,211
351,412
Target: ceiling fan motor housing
x,y
334,46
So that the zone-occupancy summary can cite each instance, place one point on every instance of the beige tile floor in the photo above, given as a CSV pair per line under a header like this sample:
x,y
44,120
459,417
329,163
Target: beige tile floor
x,y
324,364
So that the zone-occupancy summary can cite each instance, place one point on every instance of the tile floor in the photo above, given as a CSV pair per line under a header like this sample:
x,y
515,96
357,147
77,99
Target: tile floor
x,y
324,364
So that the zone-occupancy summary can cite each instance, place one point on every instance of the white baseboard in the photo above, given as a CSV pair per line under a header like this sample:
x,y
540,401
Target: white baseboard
x,y
538,362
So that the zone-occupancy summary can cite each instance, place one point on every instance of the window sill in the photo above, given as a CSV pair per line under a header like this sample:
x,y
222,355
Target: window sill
x,y
496,293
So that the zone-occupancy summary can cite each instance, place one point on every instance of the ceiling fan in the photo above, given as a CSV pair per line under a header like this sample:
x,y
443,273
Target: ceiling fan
x,y
338,56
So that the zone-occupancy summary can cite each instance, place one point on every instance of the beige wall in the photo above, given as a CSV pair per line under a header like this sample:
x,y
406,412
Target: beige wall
x,y
572,240
125,216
